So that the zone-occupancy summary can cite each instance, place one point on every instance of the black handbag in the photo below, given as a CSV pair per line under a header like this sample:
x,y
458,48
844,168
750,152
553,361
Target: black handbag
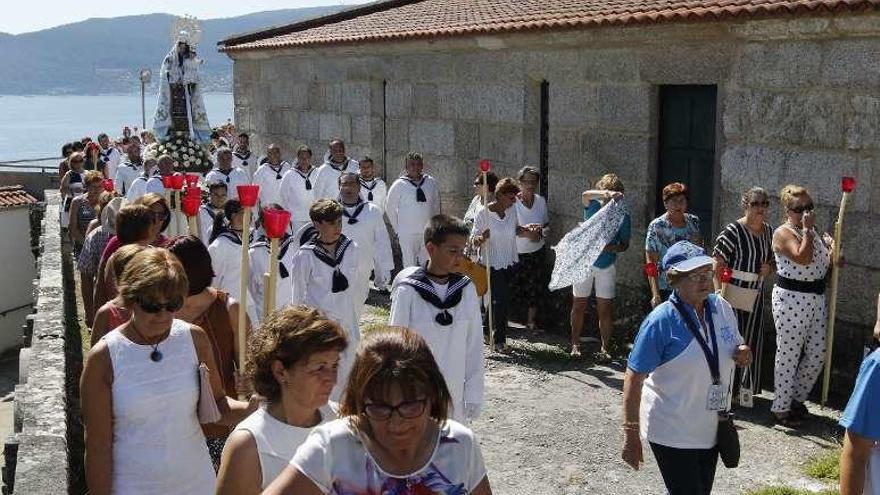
x,y
728,440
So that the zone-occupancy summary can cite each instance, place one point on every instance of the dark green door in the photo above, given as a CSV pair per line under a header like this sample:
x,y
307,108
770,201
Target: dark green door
x,y
687,148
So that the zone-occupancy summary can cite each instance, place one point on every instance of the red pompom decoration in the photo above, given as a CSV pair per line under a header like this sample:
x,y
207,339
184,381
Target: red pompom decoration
x,y
248,194
485,166
191,205
651,270
107,185
848,184
726,275
275,222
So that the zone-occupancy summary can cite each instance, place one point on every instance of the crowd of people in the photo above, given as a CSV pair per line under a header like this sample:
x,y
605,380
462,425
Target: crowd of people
x,y
319,406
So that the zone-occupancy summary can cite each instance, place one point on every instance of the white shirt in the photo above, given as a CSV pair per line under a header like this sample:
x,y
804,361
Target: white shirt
x,y
206,222
457,348
111,157
334,456
236,177
225,254
326,180
406,215
137,188
502,237
245,161
258,261
277,441
378,189
269,180
295,198
125,174
525,216
371,236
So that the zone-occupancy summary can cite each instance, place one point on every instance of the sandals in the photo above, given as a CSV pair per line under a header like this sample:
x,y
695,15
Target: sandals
x,y
787,420
602,357
575,352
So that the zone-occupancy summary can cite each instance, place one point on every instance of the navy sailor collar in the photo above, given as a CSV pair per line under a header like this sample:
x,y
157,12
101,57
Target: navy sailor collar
x,y
419,281
340,282
353,216
284,244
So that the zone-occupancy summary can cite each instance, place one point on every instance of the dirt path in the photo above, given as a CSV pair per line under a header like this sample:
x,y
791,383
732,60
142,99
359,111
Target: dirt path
x,y
552,426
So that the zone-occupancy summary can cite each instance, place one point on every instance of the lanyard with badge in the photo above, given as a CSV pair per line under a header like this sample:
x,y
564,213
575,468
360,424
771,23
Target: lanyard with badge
x,y
716,400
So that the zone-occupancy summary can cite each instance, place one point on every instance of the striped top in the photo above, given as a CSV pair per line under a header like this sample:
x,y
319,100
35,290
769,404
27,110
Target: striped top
x,y
744,251
502,238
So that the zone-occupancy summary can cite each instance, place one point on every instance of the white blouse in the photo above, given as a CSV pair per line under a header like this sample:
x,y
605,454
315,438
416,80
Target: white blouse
x,y
502,237
536,214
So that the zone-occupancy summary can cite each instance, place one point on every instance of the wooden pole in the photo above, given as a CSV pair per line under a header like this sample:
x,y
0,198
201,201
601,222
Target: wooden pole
x,y
271,289
487,257
242,291
193,226
832,297
176,212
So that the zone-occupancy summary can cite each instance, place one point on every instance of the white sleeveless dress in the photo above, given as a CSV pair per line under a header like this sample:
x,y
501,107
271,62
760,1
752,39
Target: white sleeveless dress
x,y
277,441
158,445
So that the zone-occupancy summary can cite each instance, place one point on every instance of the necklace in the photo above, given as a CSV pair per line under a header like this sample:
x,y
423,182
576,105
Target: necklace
x,y
156,355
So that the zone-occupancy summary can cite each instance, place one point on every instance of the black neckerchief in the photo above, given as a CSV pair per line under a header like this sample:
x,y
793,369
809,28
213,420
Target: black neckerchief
x,y
243,157
420,281
225,174
233,237
306,177
711,356
358,208
105,154
420,194
369,187
276,170
340,282
283,245
342,166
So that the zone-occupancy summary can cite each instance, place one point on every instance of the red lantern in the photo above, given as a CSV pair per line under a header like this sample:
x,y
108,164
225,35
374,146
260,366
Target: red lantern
x,y
726,275
166,182
194,191
651,270
848,184
275,222
177,181
191,205
485,166
192,180
247,194
107,185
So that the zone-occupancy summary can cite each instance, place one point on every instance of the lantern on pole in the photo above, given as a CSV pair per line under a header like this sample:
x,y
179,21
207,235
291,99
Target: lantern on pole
x,y
247,196
485,167
275,222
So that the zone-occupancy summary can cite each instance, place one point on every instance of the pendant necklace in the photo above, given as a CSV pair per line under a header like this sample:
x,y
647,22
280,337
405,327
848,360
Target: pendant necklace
x,y
156,355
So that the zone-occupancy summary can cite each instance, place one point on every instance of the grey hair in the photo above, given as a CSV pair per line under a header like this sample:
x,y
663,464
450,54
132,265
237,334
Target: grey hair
x,y
752,194
528,169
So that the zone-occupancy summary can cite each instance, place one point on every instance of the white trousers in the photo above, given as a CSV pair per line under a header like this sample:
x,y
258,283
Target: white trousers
x,y
412,250
800,319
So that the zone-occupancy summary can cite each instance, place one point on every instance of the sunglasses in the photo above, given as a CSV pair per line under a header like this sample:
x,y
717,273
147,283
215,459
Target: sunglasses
x,y
702,276
154,307
407,410
802,208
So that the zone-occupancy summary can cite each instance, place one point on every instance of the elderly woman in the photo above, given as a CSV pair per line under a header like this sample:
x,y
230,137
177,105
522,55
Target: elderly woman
x,y
497,224
215,312
83,209
799,305
293,365
531,274
477,201
71,185
136,444
675,225
102,229
744,247
393,435
676,387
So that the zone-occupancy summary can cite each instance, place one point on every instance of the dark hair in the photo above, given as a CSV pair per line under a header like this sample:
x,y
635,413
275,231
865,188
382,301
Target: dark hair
x,y
394,356
442,226
367,159
414,156
491,180
528,170
349,174
196,261
325,210
244,135
215,135
673,190
133,223
77,146
217,185
66,150
290,335
151,199
102,136
221,222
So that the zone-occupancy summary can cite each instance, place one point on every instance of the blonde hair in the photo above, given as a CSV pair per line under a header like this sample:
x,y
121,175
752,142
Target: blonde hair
x,y
120,258
790,193
610,182
92,176
153,274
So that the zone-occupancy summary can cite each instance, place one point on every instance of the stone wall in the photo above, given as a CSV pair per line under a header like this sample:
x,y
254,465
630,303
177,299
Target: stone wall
x,y
44,455
796,103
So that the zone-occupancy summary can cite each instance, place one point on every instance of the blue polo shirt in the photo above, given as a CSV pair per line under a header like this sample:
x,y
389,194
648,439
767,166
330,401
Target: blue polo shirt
x,y
624,233
862,413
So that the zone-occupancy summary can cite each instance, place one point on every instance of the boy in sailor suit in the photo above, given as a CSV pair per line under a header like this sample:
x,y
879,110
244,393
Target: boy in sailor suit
x,y
412,200
225,172
243,158
373,189
259,265
364,223
208,212
323,272
443,307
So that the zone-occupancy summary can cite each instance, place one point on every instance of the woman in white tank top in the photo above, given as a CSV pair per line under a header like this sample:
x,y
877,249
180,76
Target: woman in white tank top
x,y
140,390
294,365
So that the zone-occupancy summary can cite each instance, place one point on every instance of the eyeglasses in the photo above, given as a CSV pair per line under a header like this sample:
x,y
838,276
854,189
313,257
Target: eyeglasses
x,y
755,204
407,410
802,208
702,276
154,307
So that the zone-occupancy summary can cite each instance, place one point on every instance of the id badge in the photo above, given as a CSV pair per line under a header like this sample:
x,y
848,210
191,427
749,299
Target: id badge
x,y
745,397
716,400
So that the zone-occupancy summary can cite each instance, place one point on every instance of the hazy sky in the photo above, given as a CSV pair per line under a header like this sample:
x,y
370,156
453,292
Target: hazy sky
x,y
35,15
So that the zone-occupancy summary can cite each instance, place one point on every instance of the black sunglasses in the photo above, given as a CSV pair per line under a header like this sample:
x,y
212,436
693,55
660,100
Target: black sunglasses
x,y
802,208
154,307
407,409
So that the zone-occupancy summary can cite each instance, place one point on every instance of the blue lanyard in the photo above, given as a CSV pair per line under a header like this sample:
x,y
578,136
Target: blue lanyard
x,y
711,356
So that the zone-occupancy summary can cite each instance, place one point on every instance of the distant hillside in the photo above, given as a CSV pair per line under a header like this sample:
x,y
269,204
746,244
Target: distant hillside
x,y
100,56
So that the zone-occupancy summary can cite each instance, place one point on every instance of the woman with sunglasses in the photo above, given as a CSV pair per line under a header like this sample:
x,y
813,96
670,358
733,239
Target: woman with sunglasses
x,y
140,393
294,361
675,225
393,435
744,247
799,306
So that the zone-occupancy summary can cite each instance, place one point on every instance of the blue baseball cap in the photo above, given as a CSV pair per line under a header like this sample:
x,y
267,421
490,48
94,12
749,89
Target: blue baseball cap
x,y
685,256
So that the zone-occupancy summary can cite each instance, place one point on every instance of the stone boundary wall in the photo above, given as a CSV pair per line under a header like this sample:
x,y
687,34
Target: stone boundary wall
x,y
44,454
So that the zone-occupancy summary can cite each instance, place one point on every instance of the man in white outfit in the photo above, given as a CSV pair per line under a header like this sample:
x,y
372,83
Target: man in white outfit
x,y
297,190
373,189
327,175
268,176
412,200
225,172
243,158
128,170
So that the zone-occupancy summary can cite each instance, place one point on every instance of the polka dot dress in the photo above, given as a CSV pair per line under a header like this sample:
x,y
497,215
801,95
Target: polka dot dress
x,y
800,319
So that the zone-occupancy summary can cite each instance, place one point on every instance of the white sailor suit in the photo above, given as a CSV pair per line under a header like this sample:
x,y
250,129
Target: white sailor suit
x,y
365,224
375,191
447,316
246,161
259,264
268,177
206,222
233,178
410,205
126,172
110,157
327,177
297,192
225,254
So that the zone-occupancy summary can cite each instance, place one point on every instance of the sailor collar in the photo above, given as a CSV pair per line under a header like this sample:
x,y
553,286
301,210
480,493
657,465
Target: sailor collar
x,y
340,282
284,244
353,216
419,281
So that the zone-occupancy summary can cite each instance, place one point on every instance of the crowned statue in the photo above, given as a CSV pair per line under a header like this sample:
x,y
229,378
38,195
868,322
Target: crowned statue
x,y
181,110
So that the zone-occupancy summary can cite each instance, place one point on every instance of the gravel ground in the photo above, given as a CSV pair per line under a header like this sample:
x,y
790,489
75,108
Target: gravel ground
x,y
551,425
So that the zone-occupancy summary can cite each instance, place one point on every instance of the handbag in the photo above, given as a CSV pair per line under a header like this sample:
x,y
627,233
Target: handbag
x,y
477,273
207,408
728,440
742,298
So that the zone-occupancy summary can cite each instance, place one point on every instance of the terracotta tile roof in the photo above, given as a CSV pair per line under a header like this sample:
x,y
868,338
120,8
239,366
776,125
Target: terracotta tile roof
x,y
11,196
407,19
